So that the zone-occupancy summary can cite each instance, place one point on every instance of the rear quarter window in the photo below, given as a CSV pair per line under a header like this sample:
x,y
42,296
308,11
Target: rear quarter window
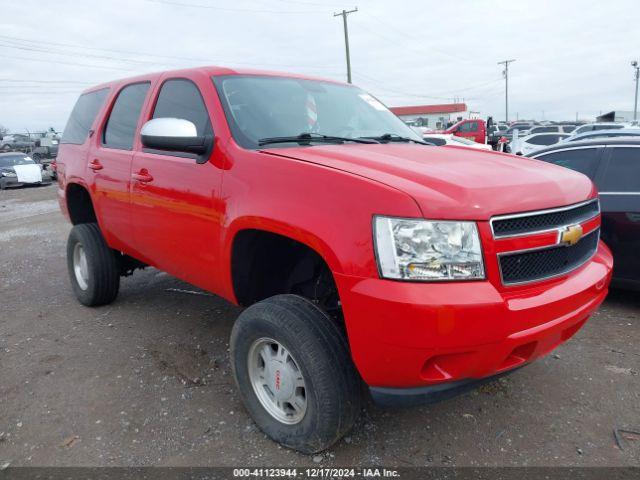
x,y
82,116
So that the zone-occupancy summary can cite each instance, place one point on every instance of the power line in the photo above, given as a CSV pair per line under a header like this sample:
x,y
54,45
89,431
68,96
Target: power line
x,y
406,35
446,95
230,9
59,62
13,80
147,54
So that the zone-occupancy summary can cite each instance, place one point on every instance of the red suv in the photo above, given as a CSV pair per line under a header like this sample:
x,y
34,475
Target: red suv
x,y
364,256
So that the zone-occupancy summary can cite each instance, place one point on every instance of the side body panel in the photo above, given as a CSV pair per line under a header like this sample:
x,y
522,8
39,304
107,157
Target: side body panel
x,y
177,216
621,224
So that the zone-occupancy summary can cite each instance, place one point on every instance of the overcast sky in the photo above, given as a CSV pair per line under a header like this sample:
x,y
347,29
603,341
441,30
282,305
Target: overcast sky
x,y
572,56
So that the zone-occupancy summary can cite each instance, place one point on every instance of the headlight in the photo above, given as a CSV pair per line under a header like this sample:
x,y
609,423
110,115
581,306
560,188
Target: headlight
x,y
8,174
425,250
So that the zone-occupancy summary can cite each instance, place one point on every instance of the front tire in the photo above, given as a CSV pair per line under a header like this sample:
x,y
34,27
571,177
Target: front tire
x,y
93,267
294,371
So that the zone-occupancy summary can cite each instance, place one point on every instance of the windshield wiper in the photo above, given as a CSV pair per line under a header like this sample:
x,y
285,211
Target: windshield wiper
x,y
308,137
392,137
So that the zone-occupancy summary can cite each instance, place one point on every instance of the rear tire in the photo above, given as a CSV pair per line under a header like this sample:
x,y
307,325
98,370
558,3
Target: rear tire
x,y
93,267
316,348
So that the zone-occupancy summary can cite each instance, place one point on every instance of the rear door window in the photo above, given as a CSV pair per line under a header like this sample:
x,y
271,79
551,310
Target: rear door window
x,y
543,139
583,160
622,173
82,116
120,129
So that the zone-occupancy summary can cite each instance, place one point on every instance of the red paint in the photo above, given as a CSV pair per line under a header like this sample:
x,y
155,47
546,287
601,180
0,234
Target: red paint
x,y
475,130
185,219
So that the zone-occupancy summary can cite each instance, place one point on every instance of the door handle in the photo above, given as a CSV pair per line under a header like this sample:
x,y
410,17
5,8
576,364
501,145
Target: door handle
x,y
142,176
95,165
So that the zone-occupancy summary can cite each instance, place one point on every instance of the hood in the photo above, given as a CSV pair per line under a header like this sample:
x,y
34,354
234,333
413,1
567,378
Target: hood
x,y
454,182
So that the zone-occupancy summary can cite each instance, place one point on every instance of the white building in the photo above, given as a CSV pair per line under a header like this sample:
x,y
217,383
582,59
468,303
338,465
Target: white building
x,y
434,116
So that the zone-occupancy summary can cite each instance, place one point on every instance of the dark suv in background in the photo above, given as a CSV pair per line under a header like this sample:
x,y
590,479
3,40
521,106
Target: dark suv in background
x,y
614,166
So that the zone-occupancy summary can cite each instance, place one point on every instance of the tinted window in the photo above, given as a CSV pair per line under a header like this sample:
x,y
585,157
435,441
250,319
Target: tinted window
x,y
583,160
468,127
544,129
121,126
182,99
623,171
606,127
82,116
543,140
568,128
435,140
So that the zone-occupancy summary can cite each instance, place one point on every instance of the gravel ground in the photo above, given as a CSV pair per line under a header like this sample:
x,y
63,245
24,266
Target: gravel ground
x,y
146,380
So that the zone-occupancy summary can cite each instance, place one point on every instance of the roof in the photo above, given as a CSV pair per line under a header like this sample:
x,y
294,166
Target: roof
x,y
430,109
587,143
210,71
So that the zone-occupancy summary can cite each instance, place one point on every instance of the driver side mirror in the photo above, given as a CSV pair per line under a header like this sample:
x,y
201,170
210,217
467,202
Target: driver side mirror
x,y
174,135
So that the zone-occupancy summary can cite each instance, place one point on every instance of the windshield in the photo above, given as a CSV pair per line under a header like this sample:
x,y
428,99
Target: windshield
x,y
13,160
263,107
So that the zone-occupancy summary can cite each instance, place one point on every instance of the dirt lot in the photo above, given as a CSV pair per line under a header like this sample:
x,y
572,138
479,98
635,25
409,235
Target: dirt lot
x,y
146,381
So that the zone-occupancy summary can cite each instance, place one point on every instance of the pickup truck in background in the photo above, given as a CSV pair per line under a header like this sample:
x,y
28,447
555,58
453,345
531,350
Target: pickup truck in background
x,y
370,262
473,129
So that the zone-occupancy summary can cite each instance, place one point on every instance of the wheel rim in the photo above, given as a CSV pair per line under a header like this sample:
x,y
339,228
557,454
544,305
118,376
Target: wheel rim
x,y
80,266
277,381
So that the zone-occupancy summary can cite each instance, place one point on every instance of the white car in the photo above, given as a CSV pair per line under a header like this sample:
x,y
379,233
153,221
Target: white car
x,y
440,139
552,129
531,143
589,127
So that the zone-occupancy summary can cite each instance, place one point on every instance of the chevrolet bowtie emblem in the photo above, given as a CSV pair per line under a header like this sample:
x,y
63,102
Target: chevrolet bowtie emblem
x,y
570,235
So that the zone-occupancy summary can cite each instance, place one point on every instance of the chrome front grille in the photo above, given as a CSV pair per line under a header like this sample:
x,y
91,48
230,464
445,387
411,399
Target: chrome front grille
x,y
519,266
530,265
534,222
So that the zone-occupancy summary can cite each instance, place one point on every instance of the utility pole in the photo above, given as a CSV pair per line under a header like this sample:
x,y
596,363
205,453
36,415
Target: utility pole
x,y
344,14
505,72
634,64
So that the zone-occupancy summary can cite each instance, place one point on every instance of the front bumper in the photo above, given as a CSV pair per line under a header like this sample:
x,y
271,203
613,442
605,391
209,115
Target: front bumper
x,y
412,335
412,397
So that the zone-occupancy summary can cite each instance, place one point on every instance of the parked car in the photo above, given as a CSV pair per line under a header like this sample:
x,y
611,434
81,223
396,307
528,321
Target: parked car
x,y
16,142
614,165
531,143
592,134
552,129
590,127
46,147
363,254
18,169
440,139
474,129
521,128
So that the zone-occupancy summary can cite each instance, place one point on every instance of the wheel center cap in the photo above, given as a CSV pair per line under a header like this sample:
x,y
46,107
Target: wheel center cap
x,y
279,381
